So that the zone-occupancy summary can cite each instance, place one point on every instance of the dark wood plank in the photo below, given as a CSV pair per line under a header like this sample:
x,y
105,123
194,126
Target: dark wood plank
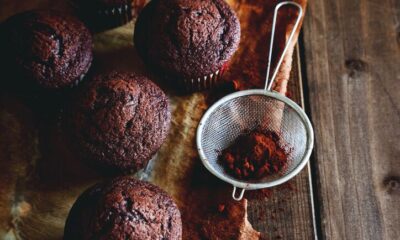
x,y
352,52
288,211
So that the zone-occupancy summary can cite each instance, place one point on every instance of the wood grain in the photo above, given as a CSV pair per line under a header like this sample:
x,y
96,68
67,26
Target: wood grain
x,y
352,52
288,211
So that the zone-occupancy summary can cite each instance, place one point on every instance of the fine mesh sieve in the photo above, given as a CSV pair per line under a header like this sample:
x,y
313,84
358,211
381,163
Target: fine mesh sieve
x,y
247,110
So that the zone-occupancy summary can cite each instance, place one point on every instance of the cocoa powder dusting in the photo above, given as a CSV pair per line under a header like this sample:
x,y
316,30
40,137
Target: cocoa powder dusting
x,y
255,155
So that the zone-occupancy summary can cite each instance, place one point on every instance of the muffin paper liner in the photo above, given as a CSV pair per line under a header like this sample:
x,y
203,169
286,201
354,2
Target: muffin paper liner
x,y
113,17
205,82
106,18
119,15
77,81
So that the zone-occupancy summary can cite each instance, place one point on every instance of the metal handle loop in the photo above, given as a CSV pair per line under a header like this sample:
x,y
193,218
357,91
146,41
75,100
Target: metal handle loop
x,y
240,195
268,83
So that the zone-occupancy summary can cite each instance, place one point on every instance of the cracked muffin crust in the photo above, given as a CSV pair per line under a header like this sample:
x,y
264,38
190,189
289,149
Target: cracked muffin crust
x,y
187,38
120,120
50,49
121,209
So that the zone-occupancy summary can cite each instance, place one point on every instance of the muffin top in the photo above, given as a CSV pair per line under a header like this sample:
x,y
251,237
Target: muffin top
x,y
124,208
51,49
187,38
120,120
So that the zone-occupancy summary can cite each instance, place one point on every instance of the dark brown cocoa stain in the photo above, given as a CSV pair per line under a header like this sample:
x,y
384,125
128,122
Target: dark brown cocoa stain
x,y
267,193
250,62
204,196
247,68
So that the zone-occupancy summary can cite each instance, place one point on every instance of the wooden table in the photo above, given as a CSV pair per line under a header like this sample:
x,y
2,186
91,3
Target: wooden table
x,y
350,64
351,51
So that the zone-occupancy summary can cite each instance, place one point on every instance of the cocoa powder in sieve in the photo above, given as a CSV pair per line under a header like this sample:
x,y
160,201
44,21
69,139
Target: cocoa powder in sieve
x,y
255,155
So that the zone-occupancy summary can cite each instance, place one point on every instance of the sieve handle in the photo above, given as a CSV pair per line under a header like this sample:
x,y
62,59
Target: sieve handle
x,y
240,195
268,83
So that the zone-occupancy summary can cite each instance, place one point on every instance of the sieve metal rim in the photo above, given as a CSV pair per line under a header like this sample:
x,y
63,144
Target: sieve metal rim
x,y
253,186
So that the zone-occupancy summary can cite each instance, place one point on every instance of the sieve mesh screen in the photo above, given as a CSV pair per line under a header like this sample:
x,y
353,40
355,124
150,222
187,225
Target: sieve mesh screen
x,y
241,114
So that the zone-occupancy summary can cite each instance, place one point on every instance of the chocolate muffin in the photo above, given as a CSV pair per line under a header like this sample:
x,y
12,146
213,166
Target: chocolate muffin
x,y
119,121
187,40
101,15
124,208
45,48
